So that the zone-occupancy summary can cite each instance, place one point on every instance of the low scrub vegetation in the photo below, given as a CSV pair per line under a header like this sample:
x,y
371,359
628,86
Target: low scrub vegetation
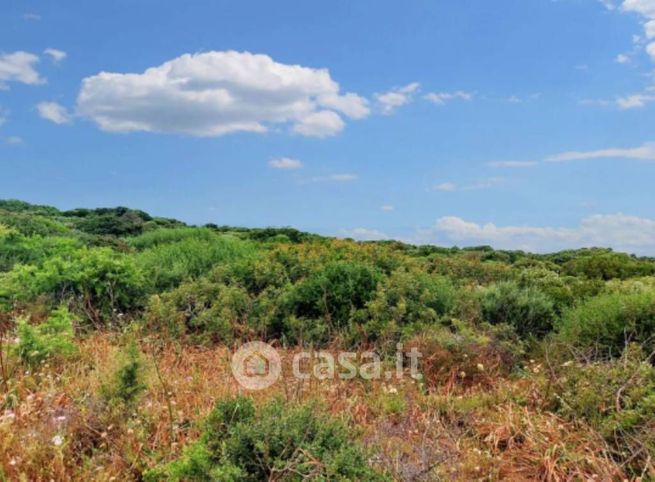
x,y
117,328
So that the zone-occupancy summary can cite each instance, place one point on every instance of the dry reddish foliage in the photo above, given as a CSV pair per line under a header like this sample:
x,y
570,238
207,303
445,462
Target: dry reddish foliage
x,y
59,429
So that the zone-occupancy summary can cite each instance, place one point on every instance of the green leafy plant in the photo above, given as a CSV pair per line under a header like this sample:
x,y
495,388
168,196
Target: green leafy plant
x,y
617,398
601,326
275,442
529,311
127,382
54,338
407,299
98,281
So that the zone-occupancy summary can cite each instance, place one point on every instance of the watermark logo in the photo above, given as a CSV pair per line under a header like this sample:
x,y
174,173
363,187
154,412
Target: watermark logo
x,y
257,365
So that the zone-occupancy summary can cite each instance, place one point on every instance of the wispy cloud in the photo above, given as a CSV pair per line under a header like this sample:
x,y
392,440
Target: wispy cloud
x,y
645,152
445,187
520,99
55,54
397,97
363,234
387,208
622,59
335,178
441,98
635,101
285,163
477,185
53,112
512,164
608,4
13,140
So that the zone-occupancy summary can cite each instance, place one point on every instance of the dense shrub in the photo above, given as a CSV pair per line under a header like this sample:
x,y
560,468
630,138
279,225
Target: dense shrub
x,y
457,353
204,310
118,221
604,324
608,265
616,398
563,290
334,294
33,225
18,249
274,442
98,281
407,298
167,236
468,267
167,265
51,339
528,310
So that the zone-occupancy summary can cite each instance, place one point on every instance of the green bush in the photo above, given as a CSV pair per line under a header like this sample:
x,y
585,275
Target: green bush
x,y
563,290
529,311
118,221
617,399
127,382
333,293
601,326
407,298
168,236
274,442
54,338
607,265
98,281
17,249
33,225
167,265
204,310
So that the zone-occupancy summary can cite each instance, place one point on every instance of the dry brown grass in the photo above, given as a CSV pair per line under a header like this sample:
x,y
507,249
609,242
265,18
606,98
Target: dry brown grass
x,y
452,431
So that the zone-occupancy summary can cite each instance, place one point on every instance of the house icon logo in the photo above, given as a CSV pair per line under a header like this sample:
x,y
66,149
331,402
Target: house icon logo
x,y
256,365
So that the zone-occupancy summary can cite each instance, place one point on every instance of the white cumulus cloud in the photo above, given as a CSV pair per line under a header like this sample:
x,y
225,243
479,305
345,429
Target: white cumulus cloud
x,y
392,99
618,231
646,9
285,163
53,112
219,92
19,67
319,124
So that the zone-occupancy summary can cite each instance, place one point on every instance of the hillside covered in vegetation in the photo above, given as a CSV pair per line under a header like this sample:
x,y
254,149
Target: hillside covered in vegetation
x,y
116,329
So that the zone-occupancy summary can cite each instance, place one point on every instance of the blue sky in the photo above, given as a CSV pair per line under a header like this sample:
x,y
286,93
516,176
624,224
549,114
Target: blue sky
x,y
516,123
